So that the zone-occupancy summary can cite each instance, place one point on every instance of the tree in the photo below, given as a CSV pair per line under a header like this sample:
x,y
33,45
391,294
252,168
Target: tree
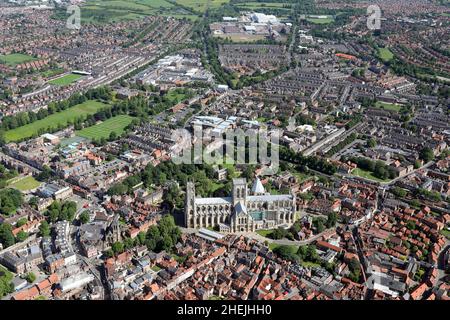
x,y
332,219
21,222
117,247
426,154
319,225
372,143
6,235
399,192
84,217
417,164
278,233
286,253
355,270
411,225
31,277
21,236
311,253
44,229
112,136
10,200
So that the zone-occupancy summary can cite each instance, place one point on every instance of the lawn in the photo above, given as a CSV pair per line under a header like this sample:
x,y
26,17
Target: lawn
x,y
316,20
201,5
122,10
257,5
52,121
308,264
155,268
367,174
264,233
115,124
388,106
66,80
14,59
24,184
446,233
273,246
385,54
52,72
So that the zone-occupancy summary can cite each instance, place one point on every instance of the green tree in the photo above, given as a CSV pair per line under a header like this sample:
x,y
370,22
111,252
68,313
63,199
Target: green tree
x,y
371,143
6,235
44,229
31,277
426,154
332,219
21,236
84,217
21,222
117,247
286,253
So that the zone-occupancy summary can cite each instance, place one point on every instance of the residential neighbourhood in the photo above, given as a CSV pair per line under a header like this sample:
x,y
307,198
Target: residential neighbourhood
x,y
224,150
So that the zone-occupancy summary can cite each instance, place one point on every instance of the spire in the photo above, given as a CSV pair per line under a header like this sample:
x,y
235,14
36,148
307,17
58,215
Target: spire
x,y
258,187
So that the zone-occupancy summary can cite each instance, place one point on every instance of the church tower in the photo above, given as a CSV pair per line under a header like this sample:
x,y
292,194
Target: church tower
x,y
239,191
189,206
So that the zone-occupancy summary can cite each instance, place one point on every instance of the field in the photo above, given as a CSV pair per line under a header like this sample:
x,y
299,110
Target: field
x,y
264,233
387,106
14,59
107,11
262,5
66,80
385,54
315,20
201,5
366,174
242,37
70,114
115,124
52,72
24,184
293,248
255,6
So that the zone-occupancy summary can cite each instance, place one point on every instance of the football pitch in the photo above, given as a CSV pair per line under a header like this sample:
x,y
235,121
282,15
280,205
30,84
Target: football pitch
x,y
65,80
115,124
52,121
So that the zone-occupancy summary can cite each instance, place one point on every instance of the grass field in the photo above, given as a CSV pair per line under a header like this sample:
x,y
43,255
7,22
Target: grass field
x,y
80,110
385,54
367,174
52,72
264,233
272,247
388,106
115,124
107,11
14,59
24,184
202,5
241,37
257,5
66,80
316,20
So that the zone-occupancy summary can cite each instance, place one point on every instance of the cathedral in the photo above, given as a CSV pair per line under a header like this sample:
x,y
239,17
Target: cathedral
x,y
243,211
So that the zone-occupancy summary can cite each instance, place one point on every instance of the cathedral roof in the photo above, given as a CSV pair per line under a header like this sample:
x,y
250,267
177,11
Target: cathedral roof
x,y
240,207
258,187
